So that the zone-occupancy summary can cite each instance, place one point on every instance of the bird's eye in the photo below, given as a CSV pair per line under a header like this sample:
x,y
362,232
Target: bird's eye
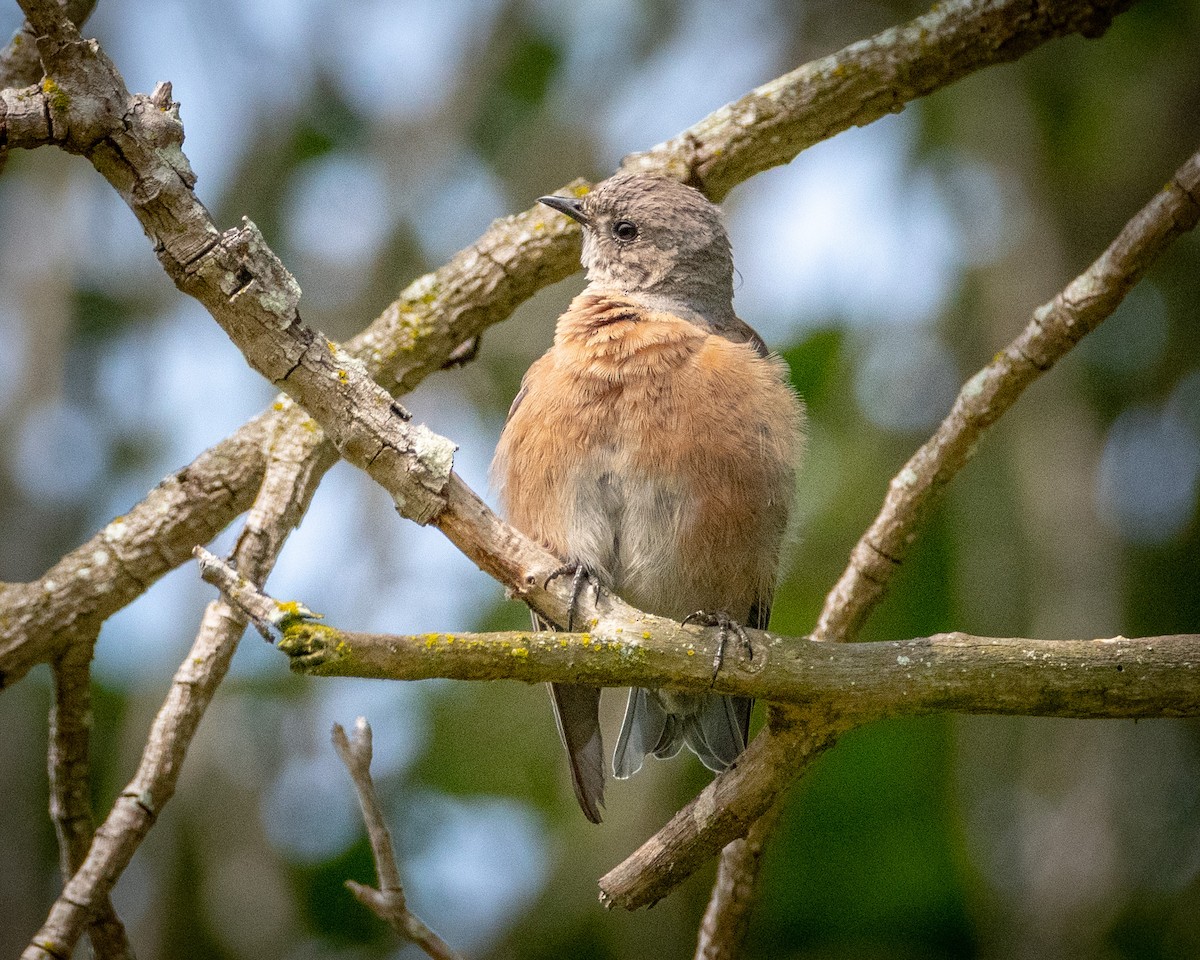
x,y
625,230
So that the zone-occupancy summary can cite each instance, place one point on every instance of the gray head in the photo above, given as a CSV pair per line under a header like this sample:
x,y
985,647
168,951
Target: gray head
x,y
654,237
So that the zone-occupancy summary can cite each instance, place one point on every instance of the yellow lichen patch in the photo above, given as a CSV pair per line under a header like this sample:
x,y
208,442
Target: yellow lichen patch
x,y
691,653
582,190
277,405
303,637
645,634
58,99
585,639
520,652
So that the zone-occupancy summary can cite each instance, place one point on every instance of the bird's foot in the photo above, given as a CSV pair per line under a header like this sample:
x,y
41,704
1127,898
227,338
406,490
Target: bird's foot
x,y
725,625
581,578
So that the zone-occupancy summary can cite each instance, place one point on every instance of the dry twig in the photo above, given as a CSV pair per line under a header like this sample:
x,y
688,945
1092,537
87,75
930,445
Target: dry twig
x,y
388,902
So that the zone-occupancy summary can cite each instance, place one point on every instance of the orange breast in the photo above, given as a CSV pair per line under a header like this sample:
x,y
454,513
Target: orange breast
x,y
660,455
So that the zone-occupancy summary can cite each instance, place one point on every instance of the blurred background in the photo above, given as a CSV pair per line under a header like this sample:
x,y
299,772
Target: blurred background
x,y
370,141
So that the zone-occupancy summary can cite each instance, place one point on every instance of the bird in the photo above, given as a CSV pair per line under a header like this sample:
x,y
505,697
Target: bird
x,y
654,448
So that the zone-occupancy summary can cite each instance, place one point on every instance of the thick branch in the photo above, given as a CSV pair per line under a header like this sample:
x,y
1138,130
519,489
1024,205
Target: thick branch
x,y
727,807
1118,677
864,82
840,686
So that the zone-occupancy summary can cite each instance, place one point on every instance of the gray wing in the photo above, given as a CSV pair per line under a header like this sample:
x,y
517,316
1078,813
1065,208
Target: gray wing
x,y
645,728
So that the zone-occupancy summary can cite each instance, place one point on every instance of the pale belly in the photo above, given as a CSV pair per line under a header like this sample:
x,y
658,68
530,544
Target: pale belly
x,y
628,529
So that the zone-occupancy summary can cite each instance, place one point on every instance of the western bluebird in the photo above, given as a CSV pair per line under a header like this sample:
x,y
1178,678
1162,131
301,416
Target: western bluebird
x,y
654,448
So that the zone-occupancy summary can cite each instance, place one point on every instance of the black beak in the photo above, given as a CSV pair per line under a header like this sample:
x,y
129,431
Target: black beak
x,y
571,206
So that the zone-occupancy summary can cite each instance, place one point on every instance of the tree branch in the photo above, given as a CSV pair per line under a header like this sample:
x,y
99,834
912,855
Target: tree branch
x,y
275,512
727,917
19,62
956,672
388,902
84,107
840,686
67,605
1054,329
863,82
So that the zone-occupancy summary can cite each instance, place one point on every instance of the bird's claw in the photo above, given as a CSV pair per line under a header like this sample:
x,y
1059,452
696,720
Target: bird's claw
x,y
725,625
581,577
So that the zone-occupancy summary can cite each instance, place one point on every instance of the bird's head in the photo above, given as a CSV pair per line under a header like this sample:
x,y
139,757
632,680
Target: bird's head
x,y
655,237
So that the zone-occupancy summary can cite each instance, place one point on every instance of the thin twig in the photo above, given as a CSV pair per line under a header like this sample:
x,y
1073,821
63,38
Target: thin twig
x,y
264,613
388,902
70,789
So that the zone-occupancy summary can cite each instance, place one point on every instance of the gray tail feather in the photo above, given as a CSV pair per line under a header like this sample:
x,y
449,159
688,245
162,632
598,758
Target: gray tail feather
x,y
642,731
577,713
716,732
